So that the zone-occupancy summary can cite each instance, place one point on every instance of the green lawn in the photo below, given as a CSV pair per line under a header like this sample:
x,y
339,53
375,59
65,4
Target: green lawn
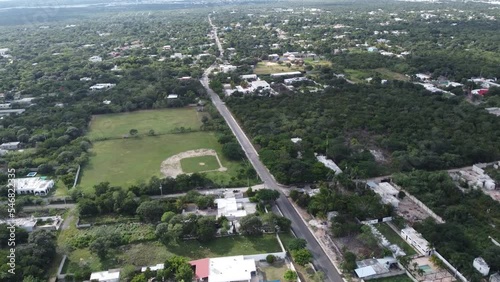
x,y
124,162
151,253
399,278
161,121
197,164
394,238
276,271
272,67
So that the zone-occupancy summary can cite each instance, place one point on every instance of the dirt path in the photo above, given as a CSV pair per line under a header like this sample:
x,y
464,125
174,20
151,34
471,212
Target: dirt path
x,y
171,167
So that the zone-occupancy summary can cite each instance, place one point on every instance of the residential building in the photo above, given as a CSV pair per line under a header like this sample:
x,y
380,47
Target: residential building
x,y
296,140
10,146
112,275
372,49
5,106
95,59
481,266
481,92
233,208
32,223
387,193
38,186
172,96
416,240
376,268
273,57
102,86
11,111
85,79
248,76
423,77
227,68
231,269
222,269
282,74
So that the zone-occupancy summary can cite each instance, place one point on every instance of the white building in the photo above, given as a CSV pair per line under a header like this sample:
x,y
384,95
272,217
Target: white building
x,y
8,112
230,269
328,163
290,81
416,240
5,106
102,86
227,68
248,76
172,96
387,192
10,146
373,268
95,59
481,266
85,79
33,185
106,276
423,77
27,224
281,74
233,208
31,223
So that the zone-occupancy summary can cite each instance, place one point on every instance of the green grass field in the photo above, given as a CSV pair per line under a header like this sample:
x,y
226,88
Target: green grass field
x,y
152,253
388,74
124,162
198,164
268,68
161,121
394,238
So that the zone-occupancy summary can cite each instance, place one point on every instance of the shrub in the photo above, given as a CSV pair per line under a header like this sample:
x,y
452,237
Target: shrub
x,y
270,259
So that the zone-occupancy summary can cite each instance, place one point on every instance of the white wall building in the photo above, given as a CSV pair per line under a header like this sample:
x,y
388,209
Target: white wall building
x,y
233,208
102,86
227,68
416,240
481,266
95,59
229,269
10,146
282,74
106,276
33,185
328,163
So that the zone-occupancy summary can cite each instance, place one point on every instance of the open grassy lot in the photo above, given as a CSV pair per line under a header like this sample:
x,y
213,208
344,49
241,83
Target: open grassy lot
x,y
161,121
151,253
197,164
124,162
276,271
394,238
273,67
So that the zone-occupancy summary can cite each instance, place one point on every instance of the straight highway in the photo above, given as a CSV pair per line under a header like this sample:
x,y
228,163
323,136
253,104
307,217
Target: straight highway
x,y
321,260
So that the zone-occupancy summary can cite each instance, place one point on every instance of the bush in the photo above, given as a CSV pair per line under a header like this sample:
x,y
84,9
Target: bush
x,y
270,259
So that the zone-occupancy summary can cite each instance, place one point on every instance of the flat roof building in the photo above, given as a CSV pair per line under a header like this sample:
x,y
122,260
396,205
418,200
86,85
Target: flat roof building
x,y
229,269
106,276
481,266
33,185
416,240
233,208
7,112
102,86
10,146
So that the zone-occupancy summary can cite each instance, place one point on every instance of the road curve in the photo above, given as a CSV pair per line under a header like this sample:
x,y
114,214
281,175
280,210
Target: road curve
x,y
321,260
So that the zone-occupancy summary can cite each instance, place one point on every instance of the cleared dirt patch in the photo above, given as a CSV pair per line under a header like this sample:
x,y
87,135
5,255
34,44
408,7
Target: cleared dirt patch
x,y
171,167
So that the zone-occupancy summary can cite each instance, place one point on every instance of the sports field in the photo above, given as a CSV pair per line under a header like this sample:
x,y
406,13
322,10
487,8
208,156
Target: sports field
x,y
161,121
198,164
127,161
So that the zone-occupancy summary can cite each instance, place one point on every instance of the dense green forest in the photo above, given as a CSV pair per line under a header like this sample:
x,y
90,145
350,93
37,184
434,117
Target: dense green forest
x,y
412,127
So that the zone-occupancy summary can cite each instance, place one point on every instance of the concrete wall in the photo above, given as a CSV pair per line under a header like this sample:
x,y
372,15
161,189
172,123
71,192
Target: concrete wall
x,y
281,255
389,274
422,205
454,271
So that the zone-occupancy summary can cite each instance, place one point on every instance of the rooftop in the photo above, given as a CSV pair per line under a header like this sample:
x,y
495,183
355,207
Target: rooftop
x,y
201,268
231,269
105,275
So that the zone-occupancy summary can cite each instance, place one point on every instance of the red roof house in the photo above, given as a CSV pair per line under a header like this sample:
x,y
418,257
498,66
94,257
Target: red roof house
x,y
201,269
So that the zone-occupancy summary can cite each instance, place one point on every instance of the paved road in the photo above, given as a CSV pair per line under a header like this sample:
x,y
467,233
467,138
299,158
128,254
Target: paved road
x,y
321,261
